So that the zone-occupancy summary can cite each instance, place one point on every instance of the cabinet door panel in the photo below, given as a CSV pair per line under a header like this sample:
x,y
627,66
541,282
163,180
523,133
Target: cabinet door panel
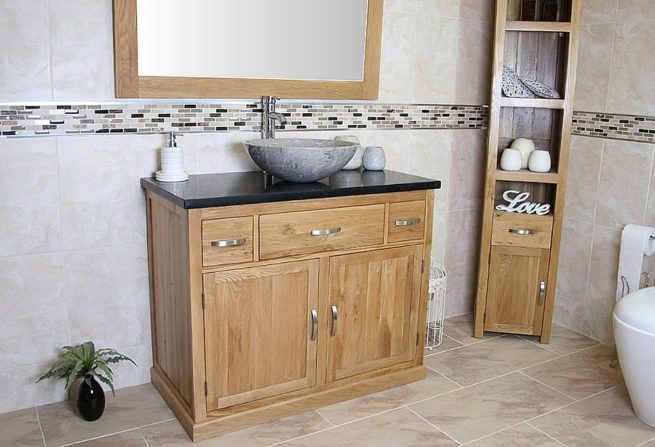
x,y
258,332
376,296
513,299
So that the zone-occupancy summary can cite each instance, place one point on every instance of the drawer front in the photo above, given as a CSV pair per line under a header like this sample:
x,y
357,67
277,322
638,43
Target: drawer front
x,y
227,241
305,232
406,221
522,230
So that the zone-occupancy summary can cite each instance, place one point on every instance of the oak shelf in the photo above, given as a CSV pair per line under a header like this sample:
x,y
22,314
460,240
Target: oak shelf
x,y
547,27
525,175
540,103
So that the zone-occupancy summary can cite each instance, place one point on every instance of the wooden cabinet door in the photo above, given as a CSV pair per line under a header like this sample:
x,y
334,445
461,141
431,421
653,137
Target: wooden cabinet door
x,y
258,332
515,299
375,296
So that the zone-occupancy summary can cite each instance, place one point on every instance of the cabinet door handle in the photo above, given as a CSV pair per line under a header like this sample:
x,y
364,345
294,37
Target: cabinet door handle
x,y
521,231
314,324
228,243
542,292
335,320
326,232
408,222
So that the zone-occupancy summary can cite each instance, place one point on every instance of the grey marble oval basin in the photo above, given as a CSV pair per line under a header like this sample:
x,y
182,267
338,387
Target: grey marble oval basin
x,y
300,160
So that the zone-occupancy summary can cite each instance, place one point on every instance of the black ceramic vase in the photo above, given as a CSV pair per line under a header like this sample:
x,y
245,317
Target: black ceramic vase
x,y
90,399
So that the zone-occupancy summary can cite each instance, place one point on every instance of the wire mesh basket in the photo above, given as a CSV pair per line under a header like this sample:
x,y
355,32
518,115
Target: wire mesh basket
x,y
436,305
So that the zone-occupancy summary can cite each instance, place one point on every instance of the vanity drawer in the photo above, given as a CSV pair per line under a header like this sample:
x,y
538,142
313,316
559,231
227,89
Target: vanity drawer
x,y
227,241
522,230
305,232
406,221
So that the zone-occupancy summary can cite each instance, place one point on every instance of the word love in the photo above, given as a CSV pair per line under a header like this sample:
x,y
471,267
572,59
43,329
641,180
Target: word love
x,y
518,203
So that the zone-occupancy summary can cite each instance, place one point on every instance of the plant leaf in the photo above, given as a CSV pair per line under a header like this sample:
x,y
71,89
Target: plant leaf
x,y
103,366
74,374
105,380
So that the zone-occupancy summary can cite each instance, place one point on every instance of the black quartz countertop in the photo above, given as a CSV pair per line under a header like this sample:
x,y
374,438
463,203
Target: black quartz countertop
x,y
240,188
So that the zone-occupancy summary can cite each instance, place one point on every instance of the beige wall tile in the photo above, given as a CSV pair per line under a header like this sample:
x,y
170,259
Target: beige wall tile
x,y
97,192
111,291
30,204
467,170
569,310
25,55
396,68
33,293
585,158
19,390
631,87
601,292
439,233
479,10
429,155
593,69
435,60
575,252
81,41
650,212
599,11
474,51
459,300
224,152
462,245
624,182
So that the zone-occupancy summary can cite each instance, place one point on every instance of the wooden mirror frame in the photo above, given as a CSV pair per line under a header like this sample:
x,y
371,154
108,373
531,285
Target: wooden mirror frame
x,y
130,85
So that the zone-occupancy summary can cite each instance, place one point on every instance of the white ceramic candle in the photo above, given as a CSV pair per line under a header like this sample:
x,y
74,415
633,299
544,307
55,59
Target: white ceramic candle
x,y
539,161
510,160
525,146
374,159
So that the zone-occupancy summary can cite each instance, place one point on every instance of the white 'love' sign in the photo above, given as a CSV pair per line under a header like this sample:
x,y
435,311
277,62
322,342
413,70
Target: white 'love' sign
x,y
518,203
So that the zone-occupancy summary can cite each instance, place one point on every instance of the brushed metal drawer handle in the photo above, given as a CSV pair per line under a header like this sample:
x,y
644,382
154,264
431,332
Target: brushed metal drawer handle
x,y
228,243
522,231
314,324
326,232
335,320
408,222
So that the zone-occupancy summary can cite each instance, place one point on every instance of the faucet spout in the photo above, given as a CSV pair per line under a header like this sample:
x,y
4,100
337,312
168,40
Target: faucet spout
x,y
270,116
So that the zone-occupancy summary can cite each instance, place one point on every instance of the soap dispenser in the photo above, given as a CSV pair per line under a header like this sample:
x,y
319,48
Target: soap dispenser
x,y
172,162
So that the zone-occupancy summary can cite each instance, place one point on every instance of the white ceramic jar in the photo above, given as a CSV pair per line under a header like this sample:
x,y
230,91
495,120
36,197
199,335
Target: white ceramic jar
x,y
510,160
526,147
539,161
374,158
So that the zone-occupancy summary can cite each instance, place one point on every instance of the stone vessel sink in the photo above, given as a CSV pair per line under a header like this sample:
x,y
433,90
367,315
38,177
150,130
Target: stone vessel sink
x,y
298,159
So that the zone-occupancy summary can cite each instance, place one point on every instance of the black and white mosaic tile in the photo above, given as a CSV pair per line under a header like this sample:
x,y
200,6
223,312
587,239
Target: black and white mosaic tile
x,y
66,119
615,126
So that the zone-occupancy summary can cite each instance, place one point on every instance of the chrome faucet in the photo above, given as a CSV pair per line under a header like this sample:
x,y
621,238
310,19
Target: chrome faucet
x,y
269,116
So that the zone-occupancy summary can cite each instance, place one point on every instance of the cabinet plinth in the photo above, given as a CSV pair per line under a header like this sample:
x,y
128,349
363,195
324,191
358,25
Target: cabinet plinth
x,y
261,311
518,251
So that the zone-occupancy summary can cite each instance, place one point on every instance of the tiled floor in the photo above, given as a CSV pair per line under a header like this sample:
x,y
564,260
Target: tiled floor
x,y
499,391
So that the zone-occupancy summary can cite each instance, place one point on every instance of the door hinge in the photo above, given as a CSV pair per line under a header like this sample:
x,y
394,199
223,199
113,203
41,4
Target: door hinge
x,y
422,265
205,388
203,301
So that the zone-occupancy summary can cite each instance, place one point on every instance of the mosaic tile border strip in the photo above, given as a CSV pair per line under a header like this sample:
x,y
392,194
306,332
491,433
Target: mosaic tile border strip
x,y
67,119
614,126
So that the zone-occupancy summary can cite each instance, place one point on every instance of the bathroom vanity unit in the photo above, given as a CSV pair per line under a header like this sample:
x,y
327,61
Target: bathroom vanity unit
x,y
269,299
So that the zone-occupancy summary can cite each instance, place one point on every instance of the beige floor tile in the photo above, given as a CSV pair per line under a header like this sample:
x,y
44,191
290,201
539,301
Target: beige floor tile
x,y
649,444
131,408
447,344
602,420
393,429
433,385
171,434
128,439
475,363
20,429
518,436
483,409
581,374
461,329
565,341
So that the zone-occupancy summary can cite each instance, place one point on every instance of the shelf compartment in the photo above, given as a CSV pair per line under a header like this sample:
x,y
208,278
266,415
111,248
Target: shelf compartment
x,y
539,193
527,176
549,27
542,126
539,11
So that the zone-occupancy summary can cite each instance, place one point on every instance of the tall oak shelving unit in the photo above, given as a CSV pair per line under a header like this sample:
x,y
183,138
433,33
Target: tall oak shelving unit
x,y
519,252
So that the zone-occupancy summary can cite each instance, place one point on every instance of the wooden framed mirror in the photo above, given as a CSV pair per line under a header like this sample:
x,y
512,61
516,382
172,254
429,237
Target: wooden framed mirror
x,y
154,41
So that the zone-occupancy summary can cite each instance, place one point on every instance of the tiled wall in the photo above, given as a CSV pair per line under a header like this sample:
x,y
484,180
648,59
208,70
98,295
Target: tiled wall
x,y
73,256
610,183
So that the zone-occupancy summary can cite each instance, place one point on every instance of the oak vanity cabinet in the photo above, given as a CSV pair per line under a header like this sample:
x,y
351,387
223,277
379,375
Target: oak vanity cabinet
x,y
265,310
519,252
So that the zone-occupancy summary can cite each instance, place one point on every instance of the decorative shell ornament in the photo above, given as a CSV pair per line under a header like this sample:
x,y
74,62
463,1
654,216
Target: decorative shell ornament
x,y
541,90
512,85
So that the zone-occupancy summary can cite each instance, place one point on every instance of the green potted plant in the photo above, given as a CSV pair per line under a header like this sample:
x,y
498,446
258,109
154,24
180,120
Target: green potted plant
x,y
85,362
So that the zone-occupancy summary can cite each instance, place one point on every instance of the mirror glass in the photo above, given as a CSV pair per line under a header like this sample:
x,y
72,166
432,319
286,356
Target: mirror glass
x,y
257,39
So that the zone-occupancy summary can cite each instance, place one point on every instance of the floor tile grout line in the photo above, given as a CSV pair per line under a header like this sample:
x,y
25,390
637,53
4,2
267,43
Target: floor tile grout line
x,y
38,420
558,357
325,418
432,425
548,386
115,433
539,344
645,442
144,438
444,376
541,431
494,433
